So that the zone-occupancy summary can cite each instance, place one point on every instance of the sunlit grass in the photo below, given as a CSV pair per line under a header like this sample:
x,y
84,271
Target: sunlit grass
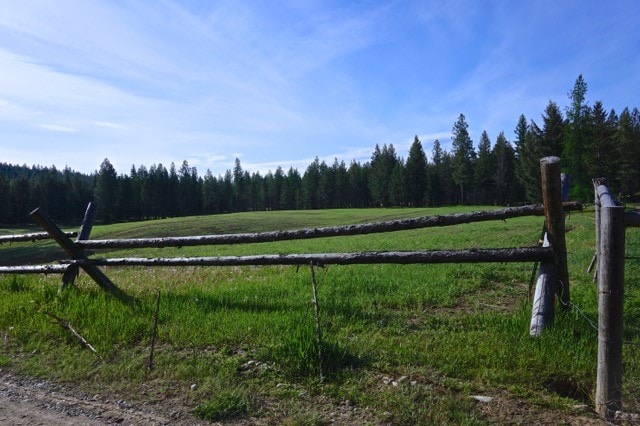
x,y
454,330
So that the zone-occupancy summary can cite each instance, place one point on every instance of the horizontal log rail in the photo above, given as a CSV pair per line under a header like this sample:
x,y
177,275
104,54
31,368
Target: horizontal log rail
x,y
34,269
520,254
334,231
34,236
632,219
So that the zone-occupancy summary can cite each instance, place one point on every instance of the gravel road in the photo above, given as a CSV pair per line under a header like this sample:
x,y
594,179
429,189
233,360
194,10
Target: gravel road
x,y
34,402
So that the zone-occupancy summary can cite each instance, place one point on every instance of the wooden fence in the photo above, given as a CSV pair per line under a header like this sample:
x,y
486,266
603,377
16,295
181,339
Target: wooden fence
x,y
552,283
552,255
611,221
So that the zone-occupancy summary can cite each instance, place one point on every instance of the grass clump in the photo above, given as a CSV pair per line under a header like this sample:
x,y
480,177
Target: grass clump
x,y
225,405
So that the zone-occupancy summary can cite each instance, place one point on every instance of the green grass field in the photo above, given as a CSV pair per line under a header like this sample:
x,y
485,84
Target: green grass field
x,y
400,344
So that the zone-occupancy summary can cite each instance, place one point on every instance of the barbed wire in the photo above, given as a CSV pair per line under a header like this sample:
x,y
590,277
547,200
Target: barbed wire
x,y
591,323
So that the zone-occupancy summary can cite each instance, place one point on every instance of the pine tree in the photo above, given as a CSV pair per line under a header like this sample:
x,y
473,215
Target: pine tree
x,y
240,187
106,191
327,188
602,155
484,171
209,193
341,176
521,166
417,177
627,140
311,185
358,185
278,187
448,184
398,185
5,209
551,140
504,175
577,141
463,156
382,164
292,190
436,190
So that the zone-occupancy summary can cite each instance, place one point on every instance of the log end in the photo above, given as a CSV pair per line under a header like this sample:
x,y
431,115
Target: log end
x,y
549,160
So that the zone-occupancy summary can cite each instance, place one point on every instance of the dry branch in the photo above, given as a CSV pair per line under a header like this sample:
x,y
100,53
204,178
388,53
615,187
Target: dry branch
x,y
521,254
334,231
65,324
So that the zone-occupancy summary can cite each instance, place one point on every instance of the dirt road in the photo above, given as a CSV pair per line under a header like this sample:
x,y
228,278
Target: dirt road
x,y
33,402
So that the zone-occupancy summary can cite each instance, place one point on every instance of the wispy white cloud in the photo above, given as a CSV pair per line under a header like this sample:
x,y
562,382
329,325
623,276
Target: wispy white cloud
x,y
57,128
108,125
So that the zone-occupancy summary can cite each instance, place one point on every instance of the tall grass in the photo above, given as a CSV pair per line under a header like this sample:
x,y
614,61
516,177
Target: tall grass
x,y
246,334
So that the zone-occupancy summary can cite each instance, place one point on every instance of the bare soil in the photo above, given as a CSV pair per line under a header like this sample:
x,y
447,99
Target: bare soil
x,y
32,402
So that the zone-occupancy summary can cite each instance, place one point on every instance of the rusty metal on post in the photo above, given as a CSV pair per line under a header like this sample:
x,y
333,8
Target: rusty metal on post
x,y
554,218
611,251
77,253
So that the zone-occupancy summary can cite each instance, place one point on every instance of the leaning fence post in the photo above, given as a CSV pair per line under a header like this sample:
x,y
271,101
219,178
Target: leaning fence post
x,y
554,218
611,251
87,222
77,253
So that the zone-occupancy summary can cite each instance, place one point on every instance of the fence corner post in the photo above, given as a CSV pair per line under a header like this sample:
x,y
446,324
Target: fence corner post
x,y
611,251
554,218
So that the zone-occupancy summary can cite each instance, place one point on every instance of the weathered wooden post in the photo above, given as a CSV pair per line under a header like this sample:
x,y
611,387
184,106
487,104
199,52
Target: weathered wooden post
x,y
610,304
83,234
596,203
87,222
554,218
543,312
76,252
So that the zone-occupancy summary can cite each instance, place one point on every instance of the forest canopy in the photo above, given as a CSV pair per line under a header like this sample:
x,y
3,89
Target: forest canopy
x,y
591,141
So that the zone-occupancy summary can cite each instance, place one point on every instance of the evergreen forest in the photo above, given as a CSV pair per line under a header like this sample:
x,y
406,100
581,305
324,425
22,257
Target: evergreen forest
x,y
592,142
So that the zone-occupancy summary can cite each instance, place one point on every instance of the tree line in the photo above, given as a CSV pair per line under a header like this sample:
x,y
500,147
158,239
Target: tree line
x,y
591,141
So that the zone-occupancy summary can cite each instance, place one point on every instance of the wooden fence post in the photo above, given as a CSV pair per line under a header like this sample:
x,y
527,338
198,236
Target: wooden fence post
x,y
596,203
611,251
87,222
83,234
77,253
554,218
543,311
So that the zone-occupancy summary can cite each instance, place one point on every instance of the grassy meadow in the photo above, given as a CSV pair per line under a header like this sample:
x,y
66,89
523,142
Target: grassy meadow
x,y
400,344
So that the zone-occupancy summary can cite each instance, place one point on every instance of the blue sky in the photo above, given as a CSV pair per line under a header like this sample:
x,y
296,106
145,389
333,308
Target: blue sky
x,y
279,83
